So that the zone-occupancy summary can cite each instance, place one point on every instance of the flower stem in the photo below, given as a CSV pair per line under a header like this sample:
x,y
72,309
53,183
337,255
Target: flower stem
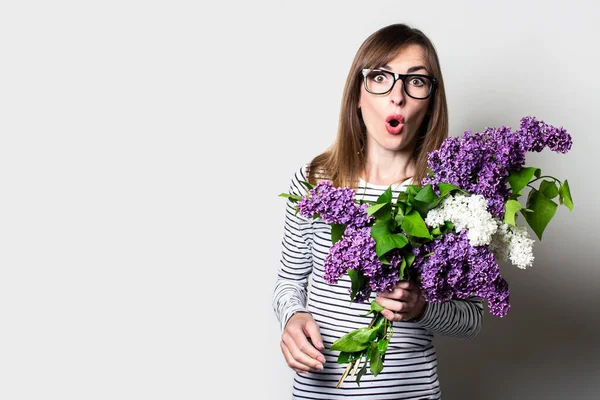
x,y
355,369
545,176
353,365
344,375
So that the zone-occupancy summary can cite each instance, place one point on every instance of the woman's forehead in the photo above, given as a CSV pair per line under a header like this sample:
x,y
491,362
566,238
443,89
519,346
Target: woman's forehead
x,y
408,55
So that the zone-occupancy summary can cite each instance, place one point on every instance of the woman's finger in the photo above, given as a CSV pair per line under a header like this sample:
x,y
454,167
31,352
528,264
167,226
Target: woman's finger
x,y
291,361
301,350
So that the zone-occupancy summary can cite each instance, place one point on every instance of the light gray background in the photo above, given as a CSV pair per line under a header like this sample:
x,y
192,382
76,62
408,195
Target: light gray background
x,y
143,147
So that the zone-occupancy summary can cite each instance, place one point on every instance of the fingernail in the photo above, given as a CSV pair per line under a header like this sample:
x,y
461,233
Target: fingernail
x,y
321,358
320,344
319,366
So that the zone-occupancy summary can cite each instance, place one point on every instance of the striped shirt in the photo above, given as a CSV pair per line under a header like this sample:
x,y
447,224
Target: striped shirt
x,y
410,366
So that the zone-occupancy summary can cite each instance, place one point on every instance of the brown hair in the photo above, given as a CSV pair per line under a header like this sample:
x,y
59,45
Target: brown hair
x,y
344,161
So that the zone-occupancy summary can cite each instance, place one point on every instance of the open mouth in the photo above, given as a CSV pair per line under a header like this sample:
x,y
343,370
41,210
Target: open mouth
x,y
394,123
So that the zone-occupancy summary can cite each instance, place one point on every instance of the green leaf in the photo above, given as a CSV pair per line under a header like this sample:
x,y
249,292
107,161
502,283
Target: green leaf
x,y
423,207
512,206
412,190
363,369
402,267
425,200
354,341
337,230
414,225
410,258
404,270
383,345
386,243
358,280
381,325
345,357
543,211
374,208
375,306
307,185
381,228
385,239
383,213
565,195
399,216
376,363
402,197
292,197
427,195
385,197
548,189
519,179
446,189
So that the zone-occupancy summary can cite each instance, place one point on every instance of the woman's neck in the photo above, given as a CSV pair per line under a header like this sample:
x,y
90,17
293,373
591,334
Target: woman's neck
x,y
389,171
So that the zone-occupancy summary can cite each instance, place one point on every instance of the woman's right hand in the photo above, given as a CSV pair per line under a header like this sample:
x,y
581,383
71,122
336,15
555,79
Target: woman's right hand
x,y
299,353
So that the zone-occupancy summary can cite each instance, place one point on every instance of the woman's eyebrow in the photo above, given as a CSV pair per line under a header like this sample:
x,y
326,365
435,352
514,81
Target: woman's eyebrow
x,y
411,69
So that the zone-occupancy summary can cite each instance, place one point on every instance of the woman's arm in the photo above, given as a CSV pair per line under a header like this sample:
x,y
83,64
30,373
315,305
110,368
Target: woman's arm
x,y
458,318
289,296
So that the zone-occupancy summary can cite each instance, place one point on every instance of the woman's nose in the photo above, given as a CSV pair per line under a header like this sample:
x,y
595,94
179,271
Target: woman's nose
x,y
397,94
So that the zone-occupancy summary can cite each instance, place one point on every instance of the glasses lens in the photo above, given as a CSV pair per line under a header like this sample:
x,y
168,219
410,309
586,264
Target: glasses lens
x,y
379,82
418,86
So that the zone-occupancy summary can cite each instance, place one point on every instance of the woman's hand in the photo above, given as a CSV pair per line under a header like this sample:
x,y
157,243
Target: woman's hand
x,y
404,303
299,353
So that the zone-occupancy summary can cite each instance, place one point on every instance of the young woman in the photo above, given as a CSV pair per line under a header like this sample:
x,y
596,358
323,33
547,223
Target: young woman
x,y
393,113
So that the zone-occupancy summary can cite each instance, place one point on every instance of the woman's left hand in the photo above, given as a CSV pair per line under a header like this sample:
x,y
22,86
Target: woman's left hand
x,y
404,303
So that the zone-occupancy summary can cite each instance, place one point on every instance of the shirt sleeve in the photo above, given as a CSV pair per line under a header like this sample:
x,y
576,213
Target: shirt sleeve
x,y
458,318
291,287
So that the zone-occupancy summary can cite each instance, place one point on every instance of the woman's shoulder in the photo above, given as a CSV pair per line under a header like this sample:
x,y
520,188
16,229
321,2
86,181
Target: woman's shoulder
x,y
307,173
299,176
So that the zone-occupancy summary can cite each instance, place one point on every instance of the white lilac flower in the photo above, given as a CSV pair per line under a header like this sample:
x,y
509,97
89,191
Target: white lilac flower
x,y
465,212
513,243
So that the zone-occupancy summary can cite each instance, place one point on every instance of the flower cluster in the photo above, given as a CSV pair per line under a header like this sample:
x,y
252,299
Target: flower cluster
x,y
334,205
356,248
466,213
514,243
447,233
469,213
480,163
450,268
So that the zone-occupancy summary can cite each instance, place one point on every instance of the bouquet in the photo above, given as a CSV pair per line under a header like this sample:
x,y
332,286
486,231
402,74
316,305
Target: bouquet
x,y
447,234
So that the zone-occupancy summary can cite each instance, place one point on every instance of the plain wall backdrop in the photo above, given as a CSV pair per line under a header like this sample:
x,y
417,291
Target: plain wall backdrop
x,y
143,146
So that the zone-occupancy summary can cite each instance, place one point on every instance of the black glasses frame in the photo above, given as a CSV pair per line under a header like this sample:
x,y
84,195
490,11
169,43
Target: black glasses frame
x,y
400,77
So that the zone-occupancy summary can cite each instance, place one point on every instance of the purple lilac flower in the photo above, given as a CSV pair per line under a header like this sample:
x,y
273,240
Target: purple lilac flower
x,y
537,135
334,205
356,250
480,163
451,268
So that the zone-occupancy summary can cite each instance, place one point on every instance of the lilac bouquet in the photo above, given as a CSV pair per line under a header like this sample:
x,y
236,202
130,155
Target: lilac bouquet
x,y
446,234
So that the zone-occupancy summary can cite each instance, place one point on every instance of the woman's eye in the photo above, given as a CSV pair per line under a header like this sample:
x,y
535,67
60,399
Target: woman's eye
x,y
379,78
416,81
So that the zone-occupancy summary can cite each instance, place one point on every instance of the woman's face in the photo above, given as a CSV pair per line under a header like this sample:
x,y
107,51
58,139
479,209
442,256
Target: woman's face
x,y
378,109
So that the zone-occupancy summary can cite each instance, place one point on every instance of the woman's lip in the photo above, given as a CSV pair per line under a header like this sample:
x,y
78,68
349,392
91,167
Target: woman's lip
x,y
394,130
397,117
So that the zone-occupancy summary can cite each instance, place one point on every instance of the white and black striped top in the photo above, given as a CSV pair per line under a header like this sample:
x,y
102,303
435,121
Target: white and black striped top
x,y
410,367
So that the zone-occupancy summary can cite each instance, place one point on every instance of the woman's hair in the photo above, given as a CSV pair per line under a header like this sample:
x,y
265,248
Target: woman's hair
x,y
344,161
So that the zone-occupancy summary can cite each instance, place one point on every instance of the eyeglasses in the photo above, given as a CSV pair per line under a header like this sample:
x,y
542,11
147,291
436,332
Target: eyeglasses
x,y
380,81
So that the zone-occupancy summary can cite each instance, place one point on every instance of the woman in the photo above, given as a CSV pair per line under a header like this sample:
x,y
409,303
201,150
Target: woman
x,y
393,113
